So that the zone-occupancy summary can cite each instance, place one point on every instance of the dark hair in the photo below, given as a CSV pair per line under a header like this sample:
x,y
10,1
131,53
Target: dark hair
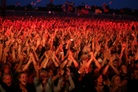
x,y
3,66
96,76
6,74
136,62
20,73
133,28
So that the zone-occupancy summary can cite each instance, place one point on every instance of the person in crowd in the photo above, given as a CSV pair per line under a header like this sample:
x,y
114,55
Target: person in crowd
x,y
42,81
6,69
85,46
23,85
117,85
7,84
99,85
65,82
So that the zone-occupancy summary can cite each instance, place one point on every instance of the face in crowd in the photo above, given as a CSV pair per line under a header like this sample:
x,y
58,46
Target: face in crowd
x,y
116,80
100,80
6,68
44,76
23,79
7,79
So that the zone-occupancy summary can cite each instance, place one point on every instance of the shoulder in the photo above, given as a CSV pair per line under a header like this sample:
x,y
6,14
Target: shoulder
x,y
1,89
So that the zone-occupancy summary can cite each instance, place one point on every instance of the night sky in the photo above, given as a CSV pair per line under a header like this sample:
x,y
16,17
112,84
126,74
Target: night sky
x,y
115,4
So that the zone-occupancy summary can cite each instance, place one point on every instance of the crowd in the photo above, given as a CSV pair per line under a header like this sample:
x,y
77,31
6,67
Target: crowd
x,y
66,54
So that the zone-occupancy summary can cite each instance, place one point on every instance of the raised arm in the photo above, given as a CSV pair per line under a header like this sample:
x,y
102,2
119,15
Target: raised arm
x,y
111,64
71,82
27,65
97,63
73,60
45,61
90,60
1,49
55,59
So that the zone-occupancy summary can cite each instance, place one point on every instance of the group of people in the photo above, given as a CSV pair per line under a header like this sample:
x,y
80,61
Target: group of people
x,y
67,54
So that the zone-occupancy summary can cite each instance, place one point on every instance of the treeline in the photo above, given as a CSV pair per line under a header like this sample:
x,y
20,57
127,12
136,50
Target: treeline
x,y
59,8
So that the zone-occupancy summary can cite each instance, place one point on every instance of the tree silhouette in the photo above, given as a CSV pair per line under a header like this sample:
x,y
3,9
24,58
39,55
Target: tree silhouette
x,y
3,7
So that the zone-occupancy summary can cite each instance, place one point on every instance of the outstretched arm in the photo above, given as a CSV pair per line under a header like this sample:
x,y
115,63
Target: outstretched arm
x,y
112,66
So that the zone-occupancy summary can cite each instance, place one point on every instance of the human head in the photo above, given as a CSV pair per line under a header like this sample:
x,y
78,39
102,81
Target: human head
x,y
6,68
23,78
7,79
116,80
84,57
43,76
98,79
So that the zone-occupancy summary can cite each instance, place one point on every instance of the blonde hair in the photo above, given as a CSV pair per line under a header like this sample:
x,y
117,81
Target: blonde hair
x,y
113,80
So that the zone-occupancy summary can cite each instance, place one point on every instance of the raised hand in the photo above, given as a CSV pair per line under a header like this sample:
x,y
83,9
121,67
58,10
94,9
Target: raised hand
x,y
67,71
123,46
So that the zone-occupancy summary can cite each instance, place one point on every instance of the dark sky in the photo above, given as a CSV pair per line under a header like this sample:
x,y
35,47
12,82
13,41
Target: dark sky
x,y
116,4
